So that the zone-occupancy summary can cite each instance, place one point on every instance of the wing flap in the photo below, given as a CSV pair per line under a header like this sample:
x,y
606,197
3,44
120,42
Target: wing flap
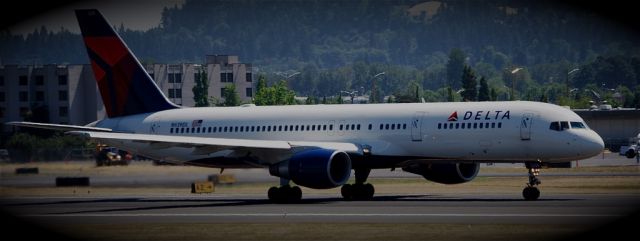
x,y
187,141
57,127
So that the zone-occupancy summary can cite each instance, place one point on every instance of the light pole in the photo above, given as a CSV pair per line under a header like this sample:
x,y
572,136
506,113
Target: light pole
x,y
513,82
373,87
287,75
350,93
567,80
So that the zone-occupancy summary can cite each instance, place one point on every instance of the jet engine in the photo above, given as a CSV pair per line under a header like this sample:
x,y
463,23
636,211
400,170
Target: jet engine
x,y
445,173
318,168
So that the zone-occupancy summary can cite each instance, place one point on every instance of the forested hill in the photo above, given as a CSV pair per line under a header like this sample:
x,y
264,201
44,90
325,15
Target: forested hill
x,y
335,33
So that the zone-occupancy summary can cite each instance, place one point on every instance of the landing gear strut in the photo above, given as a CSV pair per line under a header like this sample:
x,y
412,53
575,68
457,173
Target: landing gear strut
x,y
531,192
359,190
285,193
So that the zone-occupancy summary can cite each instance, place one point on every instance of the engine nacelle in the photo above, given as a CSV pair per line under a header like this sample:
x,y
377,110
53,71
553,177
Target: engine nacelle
x,y
318,168
446,173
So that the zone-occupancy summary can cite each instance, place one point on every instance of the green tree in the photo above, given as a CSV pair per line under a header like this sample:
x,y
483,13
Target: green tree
x,y
450,97
279,94
455,66
494,94
201,89
262,83
230,95
484,93
469,83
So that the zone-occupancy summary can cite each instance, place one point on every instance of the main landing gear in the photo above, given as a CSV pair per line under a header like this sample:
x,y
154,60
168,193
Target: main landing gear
x,y
359,190
285,193
531,192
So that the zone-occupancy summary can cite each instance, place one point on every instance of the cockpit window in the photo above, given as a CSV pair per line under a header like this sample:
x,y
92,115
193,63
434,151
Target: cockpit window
x,y
564,125
555,126
577,125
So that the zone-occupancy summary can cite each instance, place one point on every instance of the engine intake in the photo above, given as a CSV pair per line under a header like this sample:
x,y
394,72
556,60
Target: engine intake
x,y
318,168
445,173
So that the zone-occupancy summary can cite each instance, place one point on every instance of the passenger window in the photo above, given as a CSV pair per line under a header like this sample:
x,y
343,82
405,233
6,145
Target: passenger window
x,y
439,125
404,126
324,127
445,126
381,126
462,126
493,125
340,127
358,127
457,125
370,126
331,127
475,125
578,125
386,127
279,128
499,124
346,127
313,127
450,125
564,125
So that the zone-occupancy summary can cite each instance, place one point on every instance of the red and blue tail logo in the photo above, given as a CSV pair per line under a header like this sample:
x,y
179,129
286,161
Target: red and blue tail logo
x,y
453,116
125,86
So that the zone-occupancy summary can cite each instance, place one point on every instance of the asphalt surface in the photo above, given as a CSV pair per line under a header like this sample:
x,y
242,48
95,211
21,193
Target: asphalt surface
x,y
454,209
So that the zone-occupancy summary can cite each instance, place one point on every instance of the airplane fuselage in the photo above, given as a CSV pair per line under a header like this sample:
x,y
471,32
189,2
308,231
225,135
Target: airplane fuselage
x,y
516,131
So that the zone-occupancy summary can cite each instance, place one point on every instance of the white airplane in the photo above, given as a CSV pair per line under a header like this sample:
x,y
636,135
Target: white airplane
x,y
317,146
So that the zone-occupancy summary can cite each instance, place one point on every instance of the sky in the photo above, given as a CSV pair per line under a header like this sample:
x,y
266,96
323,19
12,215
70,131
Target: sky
x,y
134,14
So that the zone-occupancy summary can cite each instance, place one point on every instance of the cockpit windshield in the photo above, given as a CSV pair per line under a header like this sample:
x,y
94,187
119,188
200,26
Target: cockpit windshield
x,y
565,125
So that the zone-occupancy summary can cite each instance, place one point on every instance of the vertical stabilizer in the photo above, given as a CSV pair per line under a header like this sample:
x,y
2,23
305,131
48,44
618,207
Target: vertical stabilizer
x,y
125,86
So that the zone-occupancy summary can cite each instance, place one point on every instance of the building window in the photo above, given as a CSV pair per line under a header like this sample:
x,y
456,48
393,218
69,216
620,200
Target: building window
x,y
62,80
249,77
23,96
39,80
63,111
24,111
249,92
2,98
175,93
226,77
39,95
175,77
62,95
23,81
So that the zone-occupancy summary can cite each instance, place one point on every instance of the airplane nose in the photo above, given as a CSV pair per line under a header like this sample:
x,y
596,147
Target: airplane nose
x,y
594,145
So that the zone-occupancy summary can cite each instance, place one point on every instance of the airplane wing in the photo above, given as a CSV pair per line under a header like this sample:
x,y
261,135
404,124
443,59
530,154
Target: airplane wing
x,y
193,141
57,127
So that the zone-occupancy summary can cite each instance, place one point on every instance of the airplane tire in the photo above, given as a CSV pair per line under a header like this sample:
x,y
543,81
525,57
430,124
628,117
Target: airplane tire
x,y
368,191
285,194
347,191
531,193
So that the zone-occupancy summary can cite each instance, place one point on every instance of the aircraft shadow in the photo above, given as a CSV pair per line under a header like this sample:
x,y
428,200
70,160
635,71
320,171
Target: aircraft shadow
x,y
144,204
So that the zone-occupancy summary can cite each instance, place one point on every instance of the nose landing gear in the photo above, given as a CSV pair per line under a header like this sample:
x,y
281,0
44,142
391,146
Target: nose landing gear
x,y
531,192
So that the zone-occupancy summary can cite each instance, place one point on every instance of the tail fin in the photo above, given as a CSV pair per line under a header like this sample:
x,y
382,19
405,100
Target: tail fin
x,y
125,86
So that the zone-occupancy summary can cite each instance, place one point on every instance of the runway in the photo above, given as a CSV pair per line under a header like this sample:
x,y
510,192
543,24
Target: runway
x,y
455,209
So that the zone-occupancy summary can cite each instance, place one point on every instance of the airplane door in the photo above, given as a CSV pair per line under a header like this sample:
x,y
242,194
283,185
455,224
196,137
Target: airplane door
x,y
416,126
525,126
